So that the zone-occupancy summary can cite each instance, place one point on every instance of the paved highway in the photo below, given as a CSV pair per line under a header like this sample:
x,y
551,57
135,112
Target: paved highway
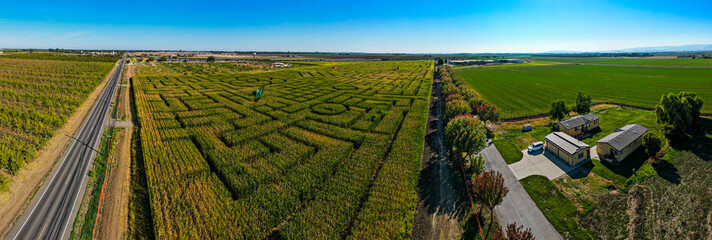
x,y
51,213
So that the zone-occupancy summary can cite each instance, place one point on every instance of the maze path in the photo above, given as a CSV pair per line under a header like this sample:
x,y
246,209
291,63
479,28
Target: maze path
x,y
222,166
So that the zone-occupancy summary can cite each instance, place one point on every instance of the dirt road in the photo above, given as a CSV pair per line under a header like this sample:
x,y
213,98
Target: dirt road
x,y
438,213
113,221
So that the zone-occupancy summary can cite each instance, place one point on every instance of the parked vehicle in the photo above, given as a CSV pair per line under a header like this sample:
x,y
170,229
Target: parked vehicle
x,y
535,147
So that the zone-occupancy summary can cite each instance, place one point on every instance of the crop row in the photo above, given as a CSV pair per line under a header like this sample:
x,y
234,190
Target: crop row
x,y
36,98
315,157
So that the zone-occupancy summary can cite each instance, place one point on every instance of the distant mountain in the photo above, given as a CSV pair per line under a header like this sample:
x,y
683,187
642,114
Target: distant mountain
x,y
561,52
683,48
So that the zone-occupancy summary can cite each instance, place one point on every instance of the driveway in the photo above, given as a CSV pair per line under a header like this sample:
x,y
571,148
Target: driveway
x,y
542,163
517,206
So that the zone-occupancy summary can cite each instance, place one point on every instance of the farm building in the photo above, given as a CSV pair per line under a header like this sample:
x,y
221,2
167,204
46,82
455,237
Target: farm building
x,y
281,64
511,61
622,142
578,125
571,150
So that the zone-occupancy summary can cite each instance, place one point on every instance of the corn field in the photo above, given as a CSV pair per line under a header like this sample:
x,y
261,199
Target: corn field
x,y
325,153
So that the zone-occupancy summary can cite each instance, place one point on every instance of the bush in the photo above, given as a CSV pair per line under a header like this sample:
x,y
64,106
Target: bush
x,y
454,96
4,183
651,144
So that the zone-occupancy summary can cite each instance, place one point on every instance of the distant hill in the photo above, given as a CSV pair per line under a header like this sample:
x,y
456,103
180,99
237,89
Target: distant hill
x,y
683,48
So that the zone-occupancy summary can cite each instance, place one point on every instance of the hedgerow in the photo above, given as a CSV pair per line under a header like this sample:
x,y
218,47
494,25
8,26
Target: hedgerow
x,y
461,98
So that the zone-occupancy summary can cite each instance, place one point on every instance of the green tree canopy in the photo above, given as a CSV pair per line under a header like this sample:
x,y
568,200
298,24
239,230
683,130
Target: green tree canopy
x,y
466,134
583,103
678,112
558,110
211,59
651,144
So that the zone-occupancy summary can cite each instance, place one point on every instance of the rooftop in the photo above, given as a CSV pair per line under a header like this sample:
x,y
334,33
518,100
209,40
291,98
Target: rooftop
x,y
578,120
565,142
623,136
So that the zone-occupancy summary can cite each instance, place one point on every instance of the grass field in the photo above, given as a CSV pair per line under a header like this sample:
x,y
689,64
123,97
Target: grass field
x,y
558,209
529,64
36,98
530,90
325,153
631,60
669,198
509,151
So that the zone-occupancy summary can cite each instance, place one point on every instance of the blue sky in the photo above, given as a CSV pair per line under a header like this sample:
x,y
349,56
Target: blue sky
x,y
355,26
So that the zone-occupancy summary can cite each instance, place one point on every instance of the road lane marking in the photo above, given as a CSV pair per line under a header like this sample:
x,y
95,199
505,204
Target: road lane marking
x,y
80,131
43,228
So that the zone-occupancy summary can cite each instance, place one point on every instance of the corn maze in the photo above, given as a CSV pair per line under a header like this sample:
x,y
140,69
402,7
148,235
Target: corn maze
x,y
326,153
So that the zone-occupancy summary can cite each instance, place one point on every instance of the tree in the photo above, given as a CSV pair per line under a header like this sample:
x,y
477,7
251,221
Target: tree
x,y
489,190
558,110
150,59
456,107
466,134
583,103
163,59
477,164
514,232
678,113
487,112
651,144
211,59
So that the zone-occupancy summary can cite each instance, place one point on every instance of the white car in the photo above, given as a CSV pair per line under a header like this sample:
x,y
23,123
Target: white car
x,y
535,147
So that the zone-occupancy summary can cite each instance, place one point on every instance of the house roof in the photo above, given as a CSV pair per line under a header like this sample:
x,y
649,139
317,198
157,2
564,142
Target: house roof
x,y
565,142
623,136
578,120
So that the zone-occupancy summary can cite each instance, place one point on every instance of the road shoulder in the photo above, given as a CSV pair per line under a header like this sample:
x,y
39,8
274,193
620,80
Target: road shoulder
x,y
14,202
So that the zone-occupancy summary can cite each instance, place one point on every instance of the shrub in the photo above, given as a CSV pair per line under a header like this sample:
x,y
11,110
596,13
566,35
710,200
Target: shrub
x,y
454,96
4,183
514,232
651,144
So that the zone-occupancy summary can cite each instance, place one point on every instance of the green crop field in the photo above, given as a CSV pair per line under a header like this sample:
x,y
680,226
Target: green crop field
x,y
36,98
326,153
631,60
530,90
